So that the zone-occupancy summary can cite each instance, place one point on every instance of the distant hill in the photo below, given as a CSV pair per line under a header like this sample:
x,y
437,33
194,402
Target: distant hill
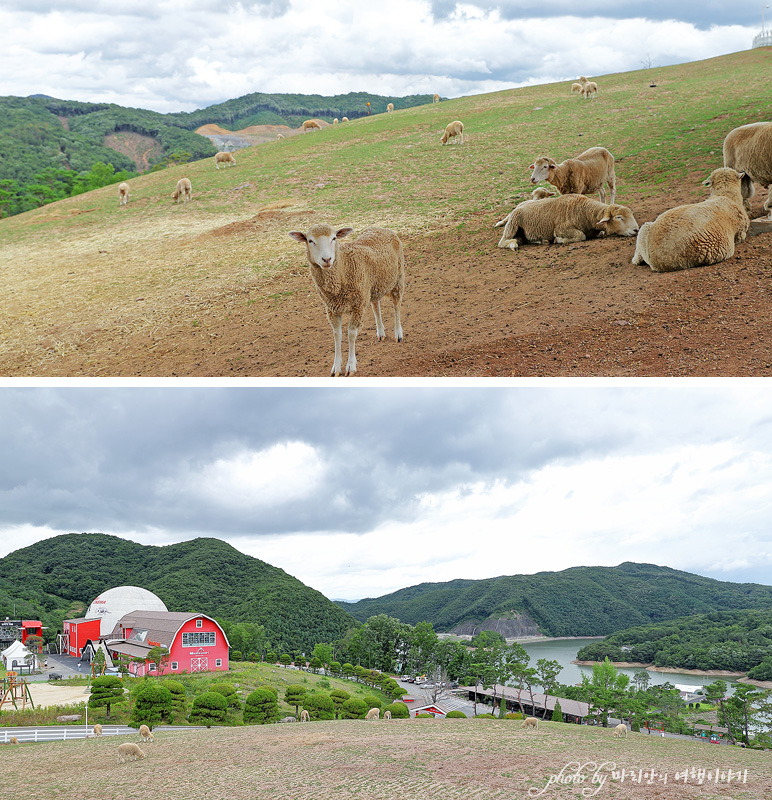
x,y
580,601
46,142
59,577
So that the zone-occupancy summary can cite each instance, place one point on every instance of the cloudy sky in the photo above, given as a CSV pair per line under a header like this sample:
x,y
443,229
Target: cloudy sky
x,y
358,492
179,55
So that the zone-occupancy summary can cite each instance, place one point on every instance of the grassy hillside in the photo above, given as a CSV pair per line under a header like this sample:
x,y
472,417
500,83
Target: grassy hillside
x,y
55,578
580,601
154,288
493,759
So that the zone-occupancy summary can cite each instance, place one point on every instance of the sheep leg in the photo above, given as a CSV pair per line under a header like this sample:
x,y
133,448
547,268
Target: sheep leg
x,y
612,185
504,221
768,203
396,297
351,364
569,236
380,331
336,322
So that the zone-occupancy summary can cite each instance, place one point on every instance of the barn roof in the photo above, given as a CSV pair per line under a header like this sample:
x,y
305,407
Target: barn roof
x,y
155,626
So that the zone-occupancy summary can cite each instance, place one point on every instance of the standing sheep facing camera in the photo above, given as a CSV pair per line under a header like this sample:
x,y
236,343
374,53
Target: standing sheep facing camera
x,y
453,129
224,159
585,174
699,234
184,190
350,275
748,149
123,194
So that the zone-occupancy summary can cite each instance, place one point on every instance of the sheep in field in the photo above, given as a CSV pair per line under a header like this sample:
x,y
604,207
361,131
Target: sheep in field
x,y
305,716
279,137
453,129
97,730
531,723
576,88
374,713
387,714
390,107
699,234
184,190
585,174
344,119
13,740
566,219
335,121
123,194
144,734
224,159
436,98
621,730
589,89
350,275
311,125
539,193
748,149
129,750
288,719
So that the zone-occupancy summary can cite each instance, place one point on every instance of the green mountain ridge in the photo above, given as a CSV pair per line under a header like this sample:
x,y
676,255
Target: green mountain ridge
x,y
59,577
579,601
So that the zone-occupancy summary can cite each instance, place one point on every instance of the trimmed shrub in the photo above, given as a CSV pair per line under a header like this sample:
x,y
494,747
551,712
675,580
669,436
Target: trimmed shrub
x,y
339,697
372,701
228,691
398,710
424,716
152,702
511,715
179,696
236,656
262,706
295,695
557,712
455,715
484,716
354,708
208,708
319,706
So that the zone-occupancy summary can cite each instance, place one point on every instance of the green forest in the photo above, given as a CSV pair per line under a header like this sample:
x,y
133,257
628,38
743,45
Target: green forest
x,y
580,601
51,149
59,577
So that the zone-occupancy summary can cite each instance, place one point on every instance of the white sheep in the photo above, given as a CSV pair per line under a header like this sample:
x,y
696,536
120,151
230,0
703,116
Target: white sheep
x,y
224,159
576,88
387,714
436,98
585,174
748,149
374,713
351,275
311,125
539,193
565,219
184,190
531,723
13,740
129,750
453,129
699,234
344,119
123,194
145,734
305,716
589,89
390,108
279,137
335,121
97,730
621,730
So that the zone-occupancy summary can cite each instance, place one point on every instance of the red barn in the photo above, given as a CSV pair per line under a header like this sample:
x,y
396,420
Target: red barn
x,y
76,633
196,643
31,627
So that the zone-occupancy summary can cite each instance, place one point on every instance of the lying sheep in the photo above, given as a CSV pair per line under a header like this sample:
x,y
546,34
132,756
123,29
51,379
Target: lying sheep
x,y
453,129
123,194
184,189
566,219
97,730
748,149
539,193
621,730
224,159
311,125
129,750
350,276
530,723
144,734
374,713
387,714
699,234
305,716
589,89
390,108
585,174
436,98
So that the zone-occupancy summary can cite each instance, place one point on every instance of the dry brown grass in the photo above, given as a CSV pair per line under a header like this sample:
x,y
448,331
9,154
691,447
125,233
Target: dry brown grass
x,y
397,760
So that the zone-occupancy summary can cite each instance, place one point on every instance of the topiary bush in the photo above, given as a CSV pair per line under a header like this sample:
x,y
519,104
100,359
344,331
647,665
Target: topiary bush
x,y
262,706
228,691
354,708
319,706
456,714
179,696
424,716
484,716
511,715
209,708
398,710
152,702
371,701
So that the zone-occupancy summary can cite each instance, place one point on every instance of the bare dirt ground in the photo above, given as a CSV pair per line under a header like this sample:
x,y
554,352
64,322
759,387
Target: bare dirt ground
x,y
403,759
470,309
44,694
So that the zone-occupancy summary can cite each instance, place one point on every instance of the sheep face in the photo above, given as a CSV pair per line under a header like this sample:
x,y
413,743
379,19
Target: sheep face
x,y
320,244
541,169
723,179
617,221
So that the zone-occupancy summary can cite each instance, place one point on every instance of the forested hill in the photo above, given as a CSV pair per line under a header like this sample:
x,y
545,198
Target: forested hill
x,y
59,577
581,601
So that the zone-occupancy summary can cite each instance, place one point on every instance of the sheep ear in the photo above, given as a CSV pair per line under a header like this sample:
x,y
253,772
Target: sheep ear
x,y
603,220
301,237
341,232
533,166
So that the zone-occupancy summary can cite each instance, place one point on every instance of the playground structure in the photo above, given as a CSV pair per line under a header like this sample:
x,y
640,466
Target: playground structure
x,y
15,690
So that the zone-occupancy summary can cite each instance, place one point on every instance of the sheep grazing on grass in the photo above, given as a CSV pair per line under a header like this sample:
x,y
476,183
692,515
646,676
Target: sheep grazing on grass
x,y
345,119
288,719
566,219
279,137
305,716
699,234
539,193
576,88
748,149
436,98
311,125
224,159
531,723
374,713
585,174
390,107
335,121
129,751
13,740
97,730
184,190
621,730
145,734
350,275
589,89
453,129
123,194
387,714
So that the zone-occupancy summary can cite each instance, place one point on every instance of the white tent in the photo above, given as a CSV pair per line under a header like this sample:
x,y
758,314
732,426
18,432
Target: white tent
x,y
15,656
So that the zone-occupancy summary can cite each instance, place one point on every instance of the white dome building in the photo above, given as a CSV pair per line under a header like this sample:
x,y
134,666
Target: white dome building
x,y
113,604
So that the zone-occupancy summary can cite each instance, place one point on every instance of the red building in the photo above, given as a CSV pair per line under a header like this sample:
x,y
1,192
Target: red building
x,y
31,627
76,633
196,643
